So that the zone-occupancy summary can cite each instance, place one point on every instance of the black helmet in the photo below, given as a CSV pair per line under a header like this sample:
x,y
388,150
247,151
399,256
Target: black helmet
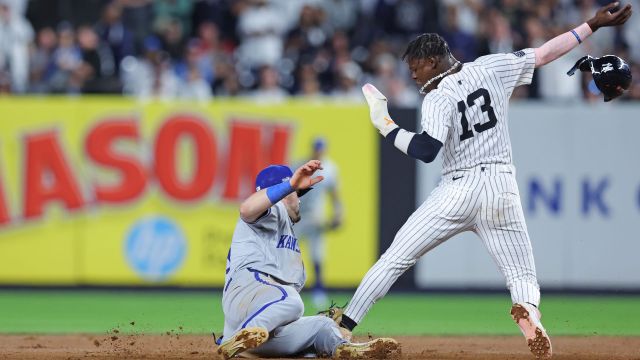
x,y
608,72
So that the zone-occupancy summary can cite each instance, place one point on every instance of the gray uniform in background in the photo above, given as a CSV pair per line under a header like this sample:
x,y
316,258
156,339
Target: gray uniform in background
x,y
314,224
313,212
263,277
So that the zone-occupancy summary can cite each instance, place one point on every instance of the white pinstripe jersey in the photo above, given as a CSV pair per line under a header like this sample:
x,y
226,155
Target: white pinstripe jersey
x,y
468,110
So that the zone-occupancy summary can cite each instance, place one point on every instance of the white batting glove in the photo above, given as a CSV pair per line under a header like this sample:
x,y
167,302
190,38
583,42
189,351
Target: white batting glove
x,y
378,109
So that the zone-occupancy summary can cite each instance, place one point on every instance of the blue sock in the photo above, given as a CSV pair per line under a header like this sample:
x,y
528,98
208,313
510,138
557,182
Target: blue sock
x,y
317,267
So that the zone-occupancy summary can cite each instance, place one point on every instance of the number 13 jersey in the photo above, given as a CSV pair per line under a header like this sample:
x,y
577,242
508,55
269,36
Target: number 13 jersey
x,y
468,110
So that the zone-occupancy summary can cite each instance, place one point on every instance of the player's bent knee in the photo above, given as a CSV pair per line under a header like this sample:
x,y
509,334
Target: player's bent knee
x,y
325,322
327,336
295,308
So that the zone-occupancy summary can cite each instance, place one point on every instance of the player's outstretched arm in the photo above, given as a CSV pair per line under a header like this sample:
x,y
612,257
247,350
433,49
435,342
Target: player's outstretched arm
x,y
562,44
259,202
418,146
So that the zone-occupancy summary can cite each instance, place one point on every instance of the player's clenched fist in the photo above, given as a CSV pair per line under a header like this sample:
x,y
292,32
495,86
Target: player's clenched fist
x,y
302,177
610,15
378,109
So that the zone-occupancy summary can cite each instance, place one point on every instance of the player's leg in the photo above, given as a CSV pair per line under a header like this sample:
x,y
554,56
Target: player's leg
x,y
310,230
273,304
317,247
320,336
503,230
317,334
448,210
254,305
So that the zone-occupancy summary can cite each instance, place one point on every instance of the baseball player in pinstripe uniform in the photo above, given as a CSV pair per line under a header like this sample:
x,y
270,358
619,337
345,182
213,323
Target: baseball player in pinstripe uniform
x,y
262,307
465,113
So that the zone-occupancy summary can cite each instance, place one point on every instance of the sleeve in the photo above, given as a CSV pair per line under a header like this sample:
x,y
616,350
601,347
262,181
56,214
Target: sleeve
x,y
514,69
437,115
268,220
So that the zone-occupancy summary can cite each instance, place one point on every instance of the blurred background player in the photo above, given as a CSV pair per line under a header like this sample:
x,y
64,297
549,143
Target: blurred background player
x,y
314,223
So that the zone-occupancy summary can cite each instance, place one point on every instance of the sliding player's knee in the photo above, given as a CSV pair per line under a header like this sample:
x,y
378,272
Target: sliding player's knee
x,y
324,324
328,335
295,308
328,330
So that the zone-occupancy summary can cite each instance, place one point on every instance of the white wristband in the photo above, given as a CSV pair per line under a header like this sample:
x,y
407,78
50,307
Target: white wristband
x,y
403,138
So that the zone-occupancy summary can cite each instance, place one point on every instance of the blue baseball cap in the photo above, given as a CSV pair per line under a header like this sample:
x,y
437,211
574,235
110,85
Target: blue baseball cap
x,y
273,175
319,143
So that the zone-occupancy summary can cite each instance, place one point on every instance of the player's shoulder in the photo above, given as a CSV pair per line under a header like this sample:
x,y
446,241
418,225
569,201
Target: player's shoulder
x,y
500,58
436,94
439,96
487,59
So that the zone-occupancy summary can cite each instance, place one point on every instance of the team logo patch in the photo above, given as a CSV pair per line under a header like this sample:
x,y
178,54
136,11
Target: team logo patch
x,y
606,67
519,53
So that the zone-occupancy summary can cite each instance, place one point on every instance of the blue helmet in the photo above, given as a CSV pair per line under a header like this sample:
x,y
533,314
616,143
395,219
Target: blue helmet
x,y
273,175
319,143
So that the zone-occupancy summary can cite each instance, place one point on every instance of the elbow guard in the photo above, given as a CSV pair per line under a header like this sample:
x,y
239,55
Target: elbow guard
x,y
418,146
424,147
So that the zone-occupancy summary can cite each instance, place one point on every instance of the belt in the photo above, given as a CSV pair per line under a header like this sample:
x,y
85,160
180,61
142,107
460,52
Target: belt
x,y
490,169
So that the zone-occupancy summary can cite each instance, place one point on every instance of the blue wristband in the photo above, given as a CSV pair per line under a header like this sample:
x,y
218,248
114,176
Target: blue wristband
x,y
277,192
577,36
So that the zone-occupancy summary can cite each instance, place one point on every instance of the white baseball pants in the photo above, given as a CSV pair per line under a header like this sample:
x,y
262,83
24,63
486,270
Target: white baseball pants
x,y
484,199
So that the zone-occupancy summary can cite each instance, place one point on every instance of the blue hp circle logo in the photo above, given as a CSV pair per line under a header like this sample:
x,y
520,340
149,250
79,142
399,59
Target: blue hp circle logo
x,y
155,248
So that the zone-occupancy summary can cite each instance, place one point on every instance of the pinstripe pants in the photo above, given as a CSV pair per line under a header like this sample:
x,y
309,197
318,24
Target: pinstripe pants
x,y
483,199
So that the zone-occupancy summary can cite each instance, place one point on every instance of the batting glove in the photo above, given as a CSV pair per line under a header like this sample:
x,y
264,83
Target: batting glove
x,y
378,109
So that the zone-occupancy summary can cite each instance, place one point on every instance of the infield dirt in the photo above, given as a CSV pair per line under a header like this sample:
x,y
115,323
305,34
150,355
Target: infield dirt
x,y
174,345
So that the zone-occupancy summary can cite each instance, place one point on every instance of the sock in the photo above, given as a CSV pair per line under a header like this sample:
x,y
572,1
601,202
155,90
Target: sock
x,y
347,323
317,267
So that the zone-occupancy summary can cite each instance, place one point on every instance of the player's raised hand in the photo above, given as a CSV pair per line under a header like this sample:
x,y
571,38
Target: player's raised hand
x,y
378,109
609,16
303,176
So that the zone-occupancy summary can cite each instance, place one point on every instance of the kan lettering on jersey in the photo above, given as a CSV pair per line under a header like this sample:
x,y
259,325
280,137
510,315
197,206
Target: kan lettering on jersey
x,y
288,242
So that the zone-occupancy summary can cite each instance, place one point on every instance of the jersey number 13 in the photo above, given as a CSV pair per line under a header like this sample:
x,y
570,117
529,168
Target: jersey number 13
x,y
467,133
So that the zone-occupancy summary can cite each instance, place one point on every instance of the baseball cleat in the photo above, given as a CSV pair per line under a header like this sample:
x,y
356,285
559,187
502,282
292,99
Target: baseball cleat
x,y
527,317
244,340
382,348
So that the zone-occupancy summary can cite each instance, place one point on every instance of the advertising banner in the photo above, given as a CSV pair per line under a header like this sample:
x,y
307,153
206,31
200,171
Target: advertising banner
x,y
109,191
578,173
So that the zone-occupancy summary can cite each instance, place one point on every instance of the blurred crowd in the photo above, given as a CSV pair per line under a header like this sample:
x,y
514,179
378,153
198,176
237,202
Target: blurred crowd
x,y
272,49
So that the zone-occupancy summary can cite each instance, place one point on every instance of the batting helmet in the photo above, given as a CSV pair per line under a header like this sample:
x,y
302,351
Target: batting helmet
x,y
275,174
609,72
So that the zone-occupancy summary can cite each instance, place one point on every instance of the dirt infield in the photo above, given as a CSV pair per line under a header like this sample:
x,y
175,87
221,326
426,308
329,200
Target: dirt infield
x,y
173,345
